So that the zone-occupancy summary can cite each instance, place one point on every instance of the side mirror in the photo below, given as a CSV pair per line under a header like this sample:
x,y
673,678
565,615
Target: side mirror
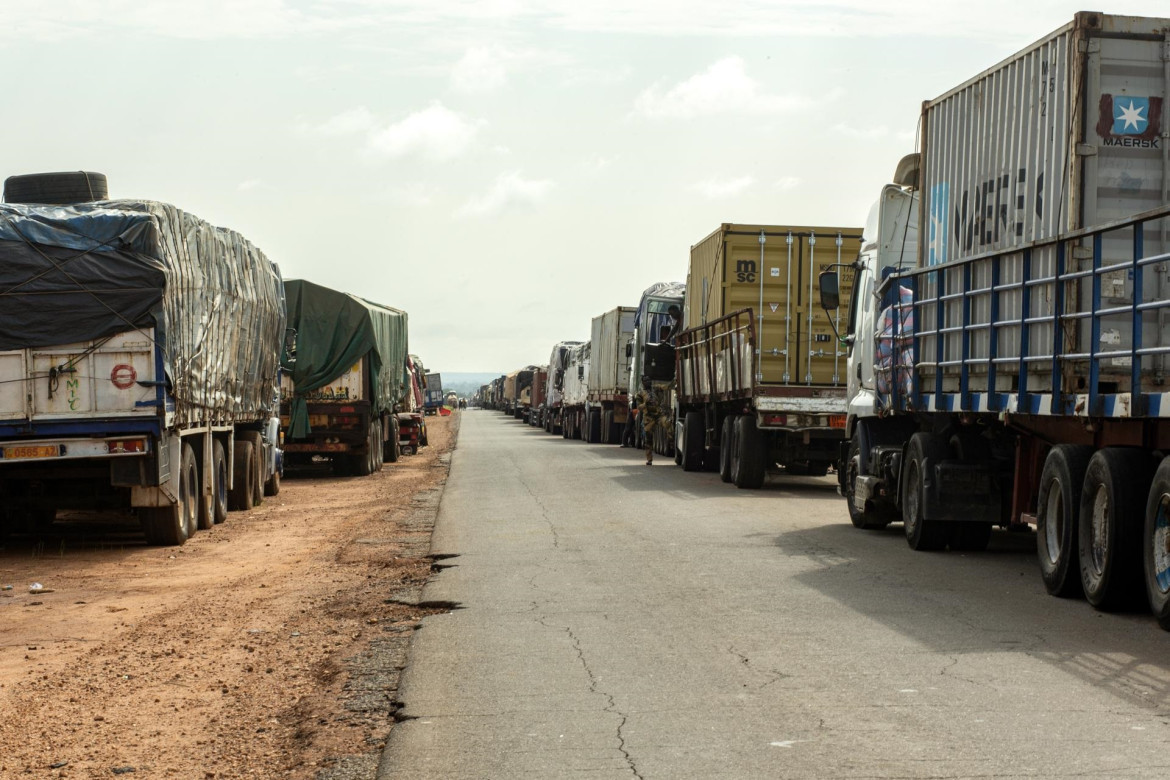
x,y
830,286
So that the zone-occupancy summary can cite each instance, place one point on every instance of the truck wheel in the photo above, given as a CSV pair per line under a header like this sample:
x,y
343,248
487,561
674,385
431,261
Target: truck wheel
x,y
392,449
272,486
870,518
594,421
1056,518
56,188
692,443
219,482
243,489
362,461
173,525
748,466
258,464
1107,532
1156,545
205,514
726,442
925,450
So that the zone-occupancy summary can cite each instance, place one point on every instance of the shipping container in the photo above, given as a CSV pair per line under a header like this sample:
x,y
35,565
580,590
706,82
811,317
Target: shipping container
x,y
576,391
609,372
558,363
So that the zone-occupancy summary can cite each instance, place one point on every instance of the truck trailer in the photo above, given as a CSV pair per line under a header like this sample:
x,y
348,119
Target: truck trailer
x,y
657,321
759,378
139,354
434,394
1009,335
607,402
345,379
576,391
558,362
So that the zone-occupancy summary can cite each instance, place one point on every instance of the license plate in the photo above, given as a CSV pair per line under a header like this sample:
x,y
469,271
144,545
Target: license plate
x,y
836,421
39,451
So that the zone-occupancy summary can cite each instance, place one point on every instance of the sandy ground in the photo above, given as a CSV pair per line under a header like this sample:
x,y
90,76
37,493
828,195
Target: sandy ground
x,y
267,647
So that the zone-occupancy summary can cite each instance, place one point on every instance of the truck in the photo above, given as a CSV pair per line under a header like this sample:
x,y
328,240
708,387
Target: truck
x,y
759,378
434,394
1009,334
558,363
139,360
659,317
607,402
524,384
412,422
576,391
345,379
539,388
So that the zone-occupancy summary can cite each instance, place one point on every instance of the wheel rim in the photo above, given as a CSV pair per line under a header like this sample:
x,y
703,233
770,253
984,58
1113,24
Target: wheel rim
x,y
852,470
1054,521
913,499
1162,544
1098,529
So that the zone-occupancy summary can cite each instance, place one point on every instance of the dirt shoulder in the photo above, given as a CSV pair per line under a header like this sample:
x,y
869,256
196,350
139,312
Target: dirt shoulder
x,y
268,646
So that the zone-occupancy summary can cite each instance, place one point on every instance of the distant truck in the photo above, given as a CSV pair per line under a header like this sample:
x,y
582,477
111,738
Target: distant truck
x,y
759,374
412,423
539,388
575,391
139,354
607,402
558,362
659,317
434,394
345,379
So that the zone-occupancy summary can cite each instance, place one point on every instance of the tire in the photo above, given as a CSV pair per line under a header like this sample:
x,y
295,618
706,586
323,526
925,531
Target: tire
x,y
870,518
748,467
56,188
173,525
692,447
392,448
924,450
593,434
205,514
272,486
1116,482
243,490
1156,545
726,442
1056,518
363,460
219,482
258,465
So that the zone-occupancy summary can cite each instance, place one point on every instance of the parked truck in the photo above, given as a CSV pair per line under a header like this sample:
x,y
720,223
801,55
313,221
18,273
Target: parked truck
x,y
412,422
345,379
558,363
539,388
576,391
759,378
434,394
139,354
1009,336
607,402
658,320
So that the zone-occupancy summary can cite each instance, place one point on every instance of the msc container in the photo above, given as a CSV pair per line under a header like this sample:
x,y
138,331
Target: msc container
x,y
772,270
1065,134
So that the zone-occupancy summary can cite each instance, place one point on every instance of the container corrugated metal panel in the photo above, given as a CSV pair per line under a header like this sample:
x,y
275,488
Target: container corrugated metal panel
x,y
1063,135
732,270
609,368
577,375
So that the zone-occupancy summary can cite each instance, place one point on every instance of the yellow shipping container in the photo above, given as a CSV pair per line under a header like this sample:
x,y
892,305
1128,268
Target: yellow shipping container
x,y
776,278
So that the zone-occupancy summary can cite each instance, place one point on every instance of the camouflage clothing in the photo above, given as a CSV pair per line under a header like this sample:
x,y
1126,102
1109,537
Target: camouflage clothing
x,y
651,414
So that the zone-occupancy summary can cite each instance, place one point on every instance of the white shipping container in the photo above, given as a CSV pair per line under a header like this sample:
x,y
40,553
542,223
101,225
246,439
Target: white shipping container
x,y
609,366
1066,134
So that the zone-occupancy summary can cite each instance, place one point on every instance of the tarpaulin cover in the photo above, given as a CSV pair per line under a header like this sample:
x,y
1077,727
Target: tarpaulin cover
x,y
85,272
334,331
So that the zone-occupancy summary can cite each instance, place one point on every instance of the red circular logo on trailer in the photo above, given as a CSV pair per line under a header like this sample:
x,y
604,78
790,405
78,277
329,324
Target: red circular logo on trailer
x,y
123,376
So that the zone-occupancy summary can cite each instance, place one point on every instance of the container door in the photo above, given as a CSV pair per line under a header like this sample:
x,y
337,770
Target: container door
x,y
764,277
108,377
820,359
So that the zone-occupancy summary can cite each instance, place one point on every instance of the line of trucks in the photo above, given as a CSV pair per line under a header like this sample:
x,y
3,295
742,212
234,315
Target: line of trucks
x,y
991,349
153,362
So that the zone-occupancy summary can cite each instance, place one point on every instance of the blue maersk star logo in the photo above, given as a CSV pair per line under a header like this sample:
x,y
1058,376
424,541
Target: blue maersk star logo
x,y
1131,115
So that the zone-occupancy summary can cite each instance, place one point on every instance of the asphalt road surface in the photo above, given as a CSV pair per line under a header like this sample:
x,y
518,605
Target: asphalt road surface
x,y
619,621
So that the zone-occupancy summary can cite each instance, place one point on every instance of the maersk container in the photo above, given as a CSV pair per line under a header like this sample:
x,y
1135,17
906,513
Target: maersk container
x,y
772,270
1065,134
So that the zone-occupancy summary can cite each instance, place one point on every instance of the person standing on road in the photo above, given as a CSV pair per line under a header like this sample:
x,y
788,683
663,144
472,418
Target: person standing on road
x,y
650,408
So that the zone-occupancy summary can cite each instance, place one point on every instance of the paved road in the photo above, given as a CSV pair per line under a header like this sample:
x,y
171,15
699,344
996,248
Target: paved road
x,y
620,621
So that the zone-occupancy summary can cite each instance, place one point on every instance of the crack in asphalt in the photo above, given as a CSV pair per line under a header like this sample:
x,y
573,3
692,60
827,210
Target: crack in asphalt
x,y
775,675
611,705
543,512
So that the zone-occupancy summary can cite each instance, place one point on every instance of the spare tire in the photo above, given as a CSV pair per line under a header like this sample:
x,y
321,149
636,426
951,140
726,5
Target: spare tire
x,y
56,188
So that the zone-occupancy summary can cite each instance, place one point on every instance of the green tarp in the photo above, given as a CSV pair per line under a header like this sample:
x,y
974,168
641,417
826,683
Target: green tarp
x,y
334,330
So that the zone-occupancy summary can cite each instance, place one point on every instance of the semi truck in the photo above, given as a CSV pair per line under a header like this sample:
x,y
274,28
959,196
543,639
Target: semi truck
x,y
344,381
576,391
607,401
139,361
558,362
658,319
412,423
539,388
1009,335
759,376
434,394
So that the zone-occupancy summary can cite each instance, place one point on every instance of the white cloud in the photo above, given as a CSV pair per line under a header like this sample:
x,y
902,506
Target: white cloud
x,y
723,88
481,69
435,132
721,189
509,189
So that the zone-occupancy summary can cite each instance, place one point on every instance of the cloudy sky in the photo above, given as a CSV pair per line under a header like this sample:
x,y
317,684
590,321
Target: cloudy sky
x,y
504,170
